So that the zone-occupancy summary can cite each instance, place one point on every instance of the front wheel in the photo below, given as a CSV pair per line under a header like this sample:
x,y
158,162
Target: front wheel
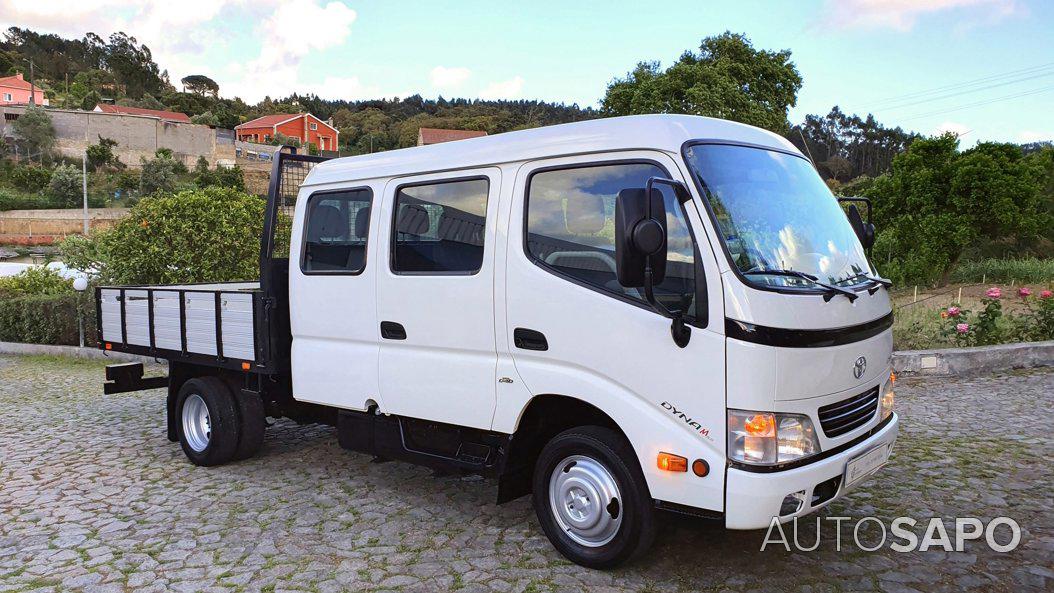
x,y
591,498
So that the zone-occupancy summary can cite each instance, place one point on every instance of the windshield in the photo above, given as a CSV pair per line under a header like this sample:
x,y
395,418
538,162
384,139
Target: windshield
x,y
775,213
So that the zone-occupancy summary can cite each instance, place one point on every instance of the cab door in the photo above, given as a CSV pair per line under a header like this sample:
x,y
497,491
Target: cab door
x,y
574,331
332,296
435,297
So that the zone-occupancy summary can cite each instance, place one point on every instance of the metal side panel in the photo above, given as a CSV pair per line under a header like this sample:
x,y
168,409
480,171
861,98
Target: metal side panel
x,y
201,322
110,307
166,320
137,317
236,316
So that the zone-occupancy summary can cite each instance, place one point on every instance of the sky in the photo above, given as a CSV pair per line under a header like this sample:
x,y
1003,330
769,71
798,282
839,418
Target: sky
x,y
983,69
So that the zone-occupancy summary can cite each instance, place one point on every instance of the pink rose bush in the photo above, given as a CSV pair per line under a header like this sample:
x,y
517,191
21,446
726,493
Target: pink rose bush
x,y
954,311
962,328
1024,292
993,293
1032,320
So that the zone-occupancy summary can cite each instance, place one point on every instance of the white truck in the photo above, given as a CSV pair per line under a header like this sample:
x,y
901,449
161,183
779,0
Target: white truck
x,y
617,316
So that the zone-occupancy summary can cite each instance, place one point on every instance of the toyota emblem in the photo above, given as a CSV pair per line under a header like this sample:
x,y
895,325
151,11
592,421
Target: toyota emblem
x,y
859,367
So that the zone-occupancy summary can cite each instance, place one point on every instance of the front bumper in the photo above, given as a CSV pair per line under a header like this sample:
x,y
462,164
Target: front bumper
x,y
752,498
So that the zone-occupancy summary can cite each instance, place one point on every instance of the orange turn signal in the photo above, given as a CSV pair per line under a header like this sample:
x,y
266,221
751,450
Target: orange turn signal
x,y
672,463
109,346
245,366
701,468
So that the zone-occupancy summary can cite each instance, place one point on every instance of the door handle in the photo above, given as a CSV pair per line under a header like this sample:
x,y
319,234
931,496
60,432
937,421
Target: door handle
x,y
391,330
529,339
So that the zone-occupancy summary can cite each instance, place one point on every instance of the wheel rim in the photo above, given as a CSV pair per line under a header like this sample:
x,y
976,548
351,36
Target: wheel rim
x,y
585,500
197,427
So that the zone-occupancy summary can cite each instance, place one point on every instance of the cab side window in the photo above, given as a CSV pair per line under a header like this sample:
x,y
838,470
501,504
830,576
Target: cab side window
x,y
439,227
571,230
336,232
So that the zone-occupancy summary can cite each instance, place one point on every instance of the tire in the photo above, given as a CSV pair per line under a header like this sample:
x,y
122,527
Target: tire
x,y
252,425
577,467
207,421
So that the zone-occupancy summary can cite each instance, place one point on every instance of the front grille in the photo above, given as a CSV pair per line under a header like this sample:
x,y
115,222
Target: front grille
x,y
844,416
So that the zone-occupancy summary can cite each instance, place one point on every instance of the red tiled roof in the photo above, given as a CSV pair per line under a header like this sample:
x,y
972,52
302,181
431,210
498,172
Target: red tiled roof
x,y
268,121
436,135
17,82
165,115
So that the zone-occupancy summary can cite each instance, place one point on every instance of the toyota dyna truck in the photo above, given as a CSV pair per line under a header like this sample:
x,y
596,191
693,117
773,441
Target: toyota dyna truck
x,y
618,317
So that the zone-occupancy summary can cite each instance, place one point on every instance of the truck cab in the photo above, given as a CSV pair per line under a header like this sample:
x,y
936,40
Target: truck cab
x,y
616,316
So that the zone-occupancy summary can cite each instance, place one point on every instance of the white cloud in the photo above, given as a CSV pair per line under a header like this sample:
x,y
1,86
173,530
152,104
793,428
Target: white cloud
x,y
902,15
448,78
950,126
1026,136
509,89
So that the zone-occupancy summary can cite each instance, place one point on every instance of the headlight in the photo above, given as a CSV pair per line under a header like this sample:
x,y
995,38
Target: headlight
x,y
886,401
769,438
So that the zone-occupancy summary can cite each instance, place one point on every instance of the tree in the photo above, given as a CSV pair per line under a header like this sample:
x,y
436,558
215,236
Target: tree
x,y
937,202
159,174
728,78
206,119
35,132
200,84
65,187
101,155
201,235
866,145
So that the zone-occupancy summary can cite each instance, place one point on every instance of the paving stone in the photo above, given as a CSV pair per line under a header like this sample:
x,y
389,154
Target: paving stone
x,y
93,497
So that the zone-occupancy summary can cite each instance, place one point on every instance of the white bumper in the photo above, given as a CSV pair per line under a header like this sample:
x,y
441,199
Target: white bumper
x,y
753,499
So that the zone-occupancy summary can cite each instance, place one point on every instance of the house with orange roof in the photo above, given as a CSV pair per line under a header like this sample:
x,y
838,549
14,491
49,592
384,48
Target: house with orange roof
x,y
426,136
173,116
303,126
16,90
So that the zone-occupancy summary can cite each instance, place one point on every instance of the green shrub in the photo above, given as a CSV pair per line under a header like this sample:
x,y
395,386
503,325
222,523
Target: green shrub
x,y
203,235
35,280
101,155
46,319
19,201
1004,271
66,186
30,177
231,177
158,175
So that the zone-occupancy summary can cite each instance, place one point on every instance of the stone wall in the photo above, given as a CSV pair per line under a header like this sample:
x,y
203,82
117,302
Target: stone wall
x,y
137,136
44,227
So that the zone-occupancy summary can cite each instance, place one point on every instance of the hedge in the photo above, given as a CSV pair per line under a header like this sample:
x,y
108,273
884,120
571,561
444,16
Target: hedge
x,y
46,319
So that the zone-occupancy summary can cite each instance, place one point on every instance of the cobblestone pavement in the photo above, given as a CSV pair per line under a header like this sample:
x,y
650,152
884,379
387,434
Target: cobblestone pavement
x,y
94,498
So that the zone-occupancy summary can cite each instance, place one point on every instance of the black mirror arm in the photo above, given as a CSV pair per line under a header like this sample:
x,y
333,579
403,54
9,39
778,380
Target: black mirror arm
x,y
679,330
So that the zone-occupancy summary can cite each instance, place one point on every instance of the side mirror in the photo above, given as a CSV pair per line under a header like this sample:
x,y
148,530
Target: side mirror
x,y
865,231
640,238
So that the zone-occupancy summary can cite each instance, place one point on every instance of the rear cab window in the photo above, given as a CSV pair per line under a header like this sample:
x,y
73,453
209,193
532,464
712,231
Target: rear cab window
x,y
336,231
439,227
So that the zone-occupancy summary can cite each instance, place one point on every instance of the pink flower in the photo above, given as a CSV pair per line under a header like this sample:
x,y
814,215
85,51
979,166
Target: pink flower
x,y
953,311
962,328
1046,294
993,293
1024,291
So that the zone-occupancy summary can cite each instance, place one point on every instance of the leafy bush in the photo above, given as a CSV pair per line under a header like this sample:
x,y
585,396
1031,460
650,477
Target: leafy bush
x,y
30,177
231,177
1023,270
101,155
937,202
13,201
66,186
36,280
204,235
46,319
36,133
158,175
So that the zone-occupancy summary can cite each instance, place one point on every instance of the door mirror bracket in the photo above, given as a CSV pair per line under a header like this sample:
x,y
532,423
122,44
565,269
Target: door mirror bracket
x,y
641,247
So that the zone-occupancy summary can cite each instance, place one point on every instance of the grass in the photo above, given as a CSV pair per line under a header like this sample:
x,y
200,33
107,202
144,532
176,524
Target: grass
x,y
1020,271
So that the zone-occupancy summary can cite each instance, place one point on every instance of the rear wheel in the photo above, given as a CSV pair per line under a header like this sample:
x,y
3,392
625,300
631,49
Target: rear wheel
x,y
591,498
208,421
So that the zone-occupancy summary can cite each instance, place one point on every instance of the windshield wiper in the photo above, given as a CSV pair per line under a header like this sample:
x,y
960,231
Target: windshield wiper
x,y
883,282
831,289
